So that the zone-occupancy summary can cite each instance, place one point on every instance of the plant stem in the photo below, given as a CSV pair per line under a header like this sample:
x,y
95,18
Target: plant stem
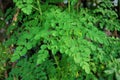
x,y
36,8
58,67
69,5
56,62
39,7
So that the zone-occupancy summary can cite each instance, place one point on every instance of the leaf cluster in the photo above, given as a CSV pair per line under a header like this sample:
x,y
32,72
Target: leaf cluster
x,y
57,44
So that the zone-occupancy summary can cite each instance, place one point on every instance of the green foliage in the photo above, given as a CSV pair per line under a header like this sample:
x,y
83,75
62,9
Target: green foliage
x,y
106,16
4,56
2,23
54,1
59,45
24,5
27,69
113,68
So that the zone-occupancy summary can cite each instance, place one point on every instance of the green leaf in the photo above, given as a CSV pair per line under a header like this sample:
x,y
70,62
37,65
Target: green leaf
x,y
28,1
28,46
77,58
15,57
27,9
109,71
42,55
86,67
117,76
23,52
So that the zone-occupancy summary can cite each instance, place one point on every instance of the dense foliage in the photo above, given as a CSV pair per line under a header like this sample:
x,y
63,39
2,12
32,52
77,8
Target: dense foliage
x,y
4,60
63,43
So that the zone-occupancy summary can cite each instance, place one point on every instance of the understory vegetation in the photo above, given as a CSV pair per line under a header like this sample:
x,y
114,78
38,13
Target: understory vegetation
x,y
48,41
